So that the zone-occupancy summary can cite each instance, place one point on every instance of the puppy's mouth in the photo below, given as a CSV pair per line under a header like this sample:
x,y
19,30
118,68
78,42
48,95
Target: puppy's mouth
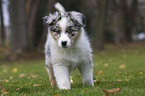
x,y
64,46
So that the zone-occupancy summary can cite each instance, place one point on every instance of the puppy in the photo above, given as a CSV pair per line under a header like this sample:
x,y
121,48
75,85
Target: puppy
x,y
67,48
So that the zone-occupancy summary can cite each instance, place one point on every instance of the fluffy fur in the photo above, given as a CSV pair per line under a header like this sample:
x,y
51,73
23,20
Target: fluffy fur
x,y
67,48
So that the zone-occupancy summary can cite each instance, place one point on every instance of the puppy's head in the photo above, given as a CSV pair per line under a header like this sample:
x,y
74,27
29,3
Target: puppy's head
x,y
65,27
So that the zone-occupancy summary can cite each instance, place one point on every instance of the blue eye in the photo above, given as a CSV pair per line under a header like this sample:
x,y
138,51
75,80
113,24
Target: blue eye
x,y
55,29
73,34
69,31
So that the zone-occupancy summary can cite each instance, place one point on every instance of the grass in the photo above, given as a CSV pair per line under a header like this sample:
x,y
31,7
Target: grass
x,y
116,67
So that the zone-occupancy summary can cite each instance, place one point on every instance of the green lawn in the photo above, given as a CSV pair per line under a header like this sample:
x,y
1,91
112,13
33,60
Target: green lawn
x,y
116,67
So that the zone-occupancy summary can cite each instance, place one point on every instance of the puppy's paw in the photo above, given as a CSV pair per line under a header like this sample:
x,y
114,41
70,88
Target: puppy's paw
x,y
64,88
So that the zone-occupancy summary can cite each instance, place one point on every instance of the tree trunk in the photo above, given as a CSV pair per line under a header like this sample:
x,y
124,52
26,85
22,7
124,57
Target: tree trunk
x,y
18,37
33,9
120,23
2,25
131,18
124,20
35,22
100,22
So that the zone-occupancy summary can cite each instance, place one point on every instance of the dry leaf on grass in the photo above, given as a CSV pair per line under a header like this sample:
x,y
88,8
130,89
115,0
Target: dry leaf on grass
x,y
106,65
100,73
11,77
36,85
1,86
140,72
4,91
34,76
94,80
98,83
56,95
108,92
126,79
119,80
17,89
122,66
22,75
14,70
5,80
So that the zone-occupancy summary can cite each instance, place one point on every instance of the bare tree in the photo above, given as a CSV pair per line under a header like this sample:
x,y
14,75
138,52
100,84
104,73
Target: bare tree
x,y
120,7
36,9
31,12
124,19
102,15
96,12
18,26
2,24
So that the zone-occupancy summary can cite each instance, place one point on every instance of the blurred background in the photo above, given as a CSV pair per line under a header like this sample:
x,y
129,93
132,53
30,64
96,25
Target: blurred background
x,y
108,22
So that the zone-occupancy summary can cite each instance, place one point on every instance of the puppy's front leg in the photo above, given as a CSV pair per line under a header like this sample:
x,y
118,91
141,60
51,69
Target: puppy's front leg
x,y
62,77
51,75
86,71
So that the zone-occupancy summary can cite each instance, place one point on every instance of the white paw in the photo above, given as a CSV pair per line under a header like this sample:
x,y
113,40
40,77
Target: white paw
x,y
64,88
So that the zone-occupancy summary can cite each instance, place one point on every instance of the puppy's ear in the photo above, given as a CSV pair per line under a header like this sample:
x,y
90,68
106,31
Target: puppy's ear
x,y
48,21
78,17
84,20
51,19
45,20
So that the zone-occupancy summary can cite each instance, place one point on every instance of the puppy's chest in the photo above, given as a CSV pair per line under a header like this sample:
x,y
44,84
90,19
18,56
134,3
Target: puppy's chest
x,y
70,58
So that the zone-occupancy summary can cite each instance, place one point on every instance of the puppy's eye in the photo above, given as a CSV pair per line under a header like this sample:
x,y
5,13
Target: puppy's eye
x,y
55,29
73,34
70,30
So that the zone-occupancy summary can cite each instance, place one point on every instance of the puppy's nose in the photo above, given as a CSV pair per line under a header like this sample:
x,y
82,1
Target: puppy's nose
x,y
64,43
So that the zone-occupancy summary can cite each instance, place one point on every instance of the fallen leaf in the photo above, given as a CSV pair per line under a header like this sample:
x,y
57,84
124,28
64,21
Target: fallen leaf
x,y
108,92
14,70
1,86
98,83
22,75
118,72
34,76
122,66
126,79
11,77
119,80
131,90
100,73
97,73
5,80
94,80
105,65
36,85
17,89
56,95
3,91
140,72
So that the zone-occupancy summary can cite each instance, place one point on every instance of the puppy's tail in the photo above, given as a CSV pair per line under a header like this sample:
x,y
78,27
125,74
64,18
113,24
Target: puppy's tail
x,y
59,7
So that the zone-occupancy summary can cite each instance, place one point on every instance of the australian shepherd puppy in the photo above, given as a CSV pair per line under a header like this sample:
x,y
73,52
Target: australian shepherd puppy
x,y
67,48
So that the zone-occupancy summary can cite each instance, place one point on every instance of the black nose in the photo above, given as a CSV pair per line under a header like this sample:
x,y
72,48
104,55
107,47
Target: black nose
x,y
64,43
